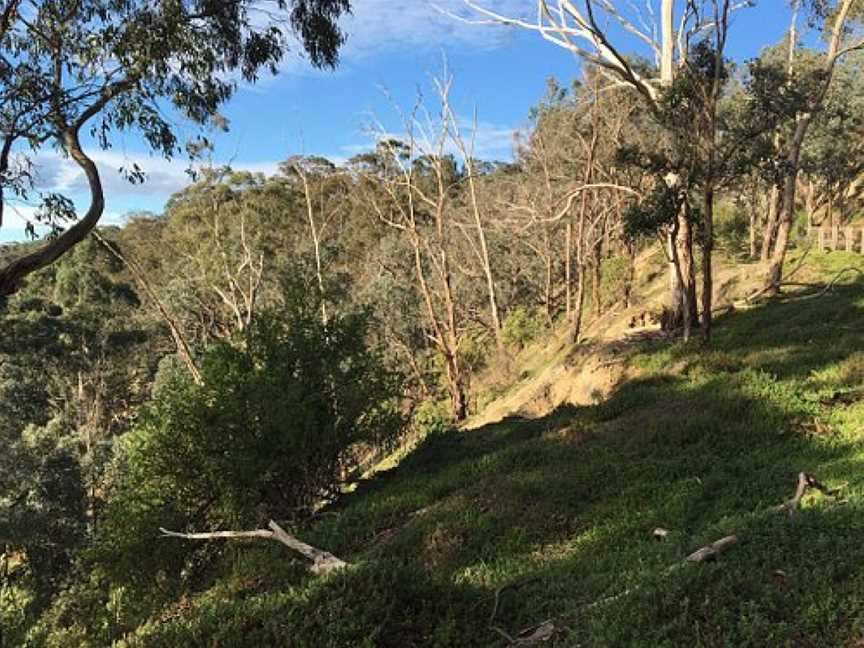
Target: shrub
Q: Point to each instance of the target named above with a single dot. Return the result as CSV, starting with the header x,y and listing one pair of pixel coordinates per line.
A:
x,y
732,229
615,271
271,430
431,417
521,327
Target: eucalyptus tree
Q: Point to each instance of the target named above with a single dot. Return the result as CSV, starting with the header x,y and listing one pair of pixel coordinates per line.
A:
x,y
70,68
832,160
842,22
587,32
410,186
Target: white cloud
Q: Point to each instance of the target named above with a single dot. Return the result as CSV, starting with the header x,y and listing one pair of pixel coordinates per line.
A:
x,y
53,173
379,27
490,141
163,177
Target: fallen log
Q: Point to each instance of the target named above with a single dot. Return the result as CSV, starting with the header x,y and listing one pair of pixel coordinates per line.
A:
x,y
322,561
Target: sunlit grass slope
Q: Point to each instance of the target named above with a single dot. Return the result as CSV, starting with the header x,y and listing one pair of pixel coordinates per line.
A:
x,y
703,444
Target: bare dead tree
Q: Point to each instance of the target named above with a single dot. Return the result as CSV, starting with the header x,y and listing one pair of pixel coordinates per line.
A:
x,y
413,196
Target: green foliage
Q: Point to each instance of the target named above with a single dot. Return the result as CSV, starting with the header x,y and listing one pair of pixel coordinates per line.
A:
x,y
731,229
431,418
656,211
563,508
521,326
474,351
614,272
380,605
270,432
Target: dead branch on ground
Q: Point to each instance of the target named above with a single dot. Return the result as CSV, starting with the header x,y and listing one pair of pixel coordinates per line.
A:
x,y
529,636
322,561
830,286
805,481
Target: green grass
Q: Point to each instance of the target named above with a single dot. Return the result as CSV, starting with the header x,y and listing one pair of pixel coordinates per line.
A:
x,y
702,443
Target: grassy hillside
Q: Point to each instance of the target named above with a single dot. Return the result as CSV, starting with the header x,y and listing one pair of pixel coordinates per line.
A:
x,y
702,443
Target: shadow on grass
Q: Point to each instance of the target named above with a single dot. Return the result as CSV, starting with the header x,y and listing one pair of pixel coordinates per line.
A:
x,y
564,505
567,502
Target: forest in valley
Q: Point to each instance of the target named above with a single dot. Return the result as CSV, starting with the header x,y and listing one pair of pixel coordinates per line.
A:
x,y
606,392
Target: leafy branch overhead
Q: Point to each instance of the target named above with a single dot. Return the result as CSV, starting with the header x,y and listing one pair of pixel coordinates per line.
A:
x,y
100,67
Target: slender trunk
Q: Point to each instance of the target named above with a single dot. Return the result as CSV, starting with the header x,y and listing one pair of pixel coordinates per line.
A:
x,y
456,374
568,279
445,341
769,234
596,304
576,325
484,258
682,309
707,270
183,348
775,268
579,305
688,269
675,299
456,387
316,242
631,274
754,223
548,290
811,204
772,224
787,213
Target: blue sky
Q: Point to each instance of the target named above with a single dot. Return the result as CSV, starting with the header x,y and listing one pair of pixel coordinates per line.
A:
x,y
392,44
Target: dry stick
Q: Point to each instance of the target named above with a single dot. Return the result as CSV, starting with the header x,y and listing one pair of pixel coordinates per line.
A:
x,y
805,481
712,550
322,561
528,636
830,286
708,552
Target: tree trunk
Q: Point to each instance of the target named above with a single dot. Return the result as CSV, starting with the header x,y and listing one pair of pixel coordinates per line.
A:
x,y
13,273
674,317
754,225
548,290
445,341
456,388
316,241
774,274
631,274
787,212
568,278
484,257
576,326
688,269
707,251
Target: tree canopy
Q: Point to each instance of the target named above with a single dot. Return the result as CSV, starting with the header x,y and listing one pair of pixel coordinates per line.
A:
x,y
98,67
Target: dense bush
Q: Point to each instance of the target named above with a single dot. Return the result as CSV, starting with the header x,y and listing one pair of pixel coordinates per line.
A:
x,y
270,432
732,229
431,417
521,327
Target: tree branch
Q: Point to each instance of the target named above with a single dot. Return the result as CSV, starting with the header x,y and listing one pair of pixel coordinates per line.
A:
x,y
322,561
